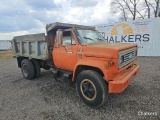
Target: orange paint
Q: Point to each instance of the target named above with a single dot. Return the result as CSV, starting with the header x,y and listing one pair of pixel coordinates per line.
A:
x,y
68,57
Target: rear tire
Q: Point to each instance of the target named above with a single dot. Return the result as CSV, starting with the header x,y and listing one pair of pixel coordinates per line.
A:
x,y
27,69
92,88
37,68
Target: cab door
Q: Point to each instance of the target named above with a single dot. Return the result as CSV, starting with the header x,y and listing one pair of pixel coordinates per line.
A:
x,y
65,50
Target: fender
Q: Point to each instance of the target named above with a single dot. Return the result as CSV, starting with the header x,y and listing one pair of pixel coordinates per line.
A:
x,y
102,65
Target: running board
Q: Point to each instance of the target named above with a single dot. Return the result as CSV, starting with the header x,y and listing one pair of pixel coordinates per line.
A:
x,y
63,76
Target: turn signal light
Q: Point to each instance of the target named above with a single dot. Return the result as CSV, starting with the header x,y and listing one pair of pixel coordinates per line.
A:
x,y
110,63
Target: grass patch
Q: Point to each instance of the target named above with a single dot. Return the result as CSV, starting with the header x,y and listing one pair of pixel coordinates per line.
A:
x,y
6,54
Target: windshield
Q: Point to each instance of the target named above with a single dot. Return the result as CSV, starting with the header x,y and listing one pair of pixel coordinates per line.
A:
x,y
89,36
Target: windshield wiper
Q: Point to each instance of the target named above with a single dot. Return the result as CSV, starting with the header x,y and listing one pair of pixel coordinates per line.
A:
x,y
88,38
98,38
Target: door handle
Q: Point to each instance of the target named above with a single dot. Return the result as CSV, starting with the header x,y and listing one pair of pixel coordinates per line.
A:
x,y
68,50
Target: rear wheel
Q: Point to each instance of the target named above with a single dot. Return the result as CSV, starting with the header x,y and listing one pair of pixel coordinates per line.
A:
x,y
92,88
36,67
27,69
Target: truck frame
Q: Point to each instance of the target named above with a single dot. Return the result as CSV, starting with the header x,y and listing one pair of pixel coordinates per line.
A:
x,y
79,57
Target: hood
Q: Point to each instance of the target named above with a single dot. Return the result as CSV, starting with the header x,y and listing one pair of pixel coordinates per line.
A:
x,y
117,46
105,49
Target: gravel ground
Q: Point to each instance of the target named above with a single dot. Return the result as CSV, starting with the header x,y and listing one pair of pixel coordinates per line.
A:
x,y
44,99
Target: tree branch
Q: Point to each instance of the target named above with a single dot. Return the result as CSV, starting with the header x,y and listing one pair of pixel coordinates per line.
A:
x,y
123,9
140,14
128,7
148,8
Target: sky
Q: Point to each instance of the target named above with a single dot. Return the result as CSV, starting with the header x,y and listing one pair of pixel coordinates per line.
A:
x,y
20,17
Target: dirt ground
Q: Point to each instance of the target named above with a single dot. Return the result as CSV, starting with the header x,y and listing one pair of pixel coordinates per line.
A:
x,y
44,99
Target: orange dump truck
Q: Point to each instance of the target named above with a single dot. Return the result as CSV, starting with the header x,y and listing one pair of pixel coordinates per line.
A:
x,y
79,57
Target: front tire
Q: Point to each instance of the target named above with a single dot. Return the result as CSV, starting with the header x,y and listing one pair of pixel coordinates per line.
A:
x,y
27,69
92,88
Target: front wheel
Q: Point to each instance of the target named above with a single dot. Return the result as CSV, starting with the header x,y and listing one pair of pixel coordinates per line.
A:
x,y
92,88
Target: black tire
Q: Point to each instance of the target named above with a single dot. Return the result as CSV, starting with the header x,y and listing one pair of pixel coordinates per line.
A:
x,y
96,86
27,69
37,68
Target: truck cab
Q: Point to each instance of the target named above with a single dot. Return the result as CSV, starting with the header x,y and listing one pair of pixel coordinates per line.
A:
x,y
80,57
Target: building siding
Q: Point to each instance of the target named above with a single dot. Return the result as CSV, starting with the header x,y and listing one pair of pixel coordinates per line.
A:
x,y
144,32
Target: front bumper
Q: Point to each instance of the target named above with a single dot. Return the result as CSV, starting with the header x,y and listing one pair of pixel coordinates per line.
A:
x,y
118,84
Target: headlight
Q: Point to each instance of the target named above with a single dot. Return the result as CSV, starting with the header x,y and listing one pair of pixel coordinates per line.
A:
x,y
121,59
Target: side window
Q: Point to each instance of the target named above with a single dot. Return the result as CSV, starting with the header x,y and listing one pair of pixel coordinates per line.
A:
x,y
59,37
68,38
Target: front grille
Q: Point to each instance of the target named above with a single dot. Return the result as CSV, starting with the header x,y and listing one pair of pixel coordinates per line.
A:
x,y
127,56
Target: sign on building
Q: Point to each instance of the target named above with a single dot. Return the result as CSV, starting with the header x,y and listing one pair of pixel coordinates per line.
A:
x,y
145,33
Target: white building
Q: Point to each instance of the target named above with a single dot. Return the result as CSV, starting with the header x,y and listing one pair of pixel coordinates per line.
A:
x,y
144,32
5,44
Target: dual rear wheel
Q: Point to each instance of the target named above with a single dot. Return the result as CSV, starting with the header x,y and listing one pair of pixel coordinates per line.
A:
x,y
30,68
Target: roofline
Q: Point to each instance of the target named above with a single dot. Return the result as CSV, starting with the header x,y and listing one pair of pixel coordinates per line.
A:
x,y
56,24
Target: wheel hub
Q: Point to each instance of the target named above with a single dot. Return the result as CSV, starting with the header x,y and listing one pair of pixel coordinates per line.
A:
x,y
88,89
24,69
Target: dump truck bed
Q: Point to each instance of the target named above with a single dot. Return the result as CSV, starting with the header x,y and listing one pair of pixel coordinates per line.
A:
x,y
32,46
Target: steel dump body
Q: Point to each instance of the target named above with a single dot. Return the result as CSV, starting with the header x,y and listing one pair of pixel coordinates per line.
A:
x,y
57,25
32,46
39,46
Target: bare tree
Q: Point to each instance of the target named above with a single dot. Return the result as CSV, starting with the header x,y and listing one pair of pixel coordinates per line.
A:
x,y
154,5
119,7
128,9
157,7
135,9
148,8
132,7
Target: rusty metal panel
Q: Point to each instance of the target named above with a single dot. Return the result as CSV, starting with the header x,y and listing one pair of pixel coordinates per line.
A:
x,y
32,46
57,25
32,37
